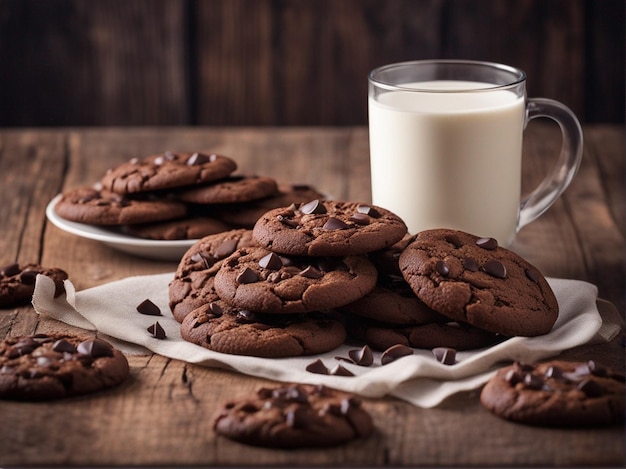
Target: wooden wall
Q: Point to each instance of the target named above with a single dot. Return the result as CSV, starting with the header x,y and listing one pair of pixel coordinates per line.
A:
x,y
285,62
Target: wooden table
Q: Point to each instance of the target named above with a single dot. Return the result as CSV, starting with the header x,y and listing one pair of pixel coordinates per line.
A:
x,y
163,415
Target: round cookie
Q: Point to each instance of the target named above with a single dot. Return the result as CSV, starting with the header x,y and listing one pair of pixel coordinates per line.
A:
x,y
328,228
424,336
185,228
95,207
192,285
294,416
246,214
473,280
166,171
394,304
53,366
230,190
262,281
219,327
17,283
556,393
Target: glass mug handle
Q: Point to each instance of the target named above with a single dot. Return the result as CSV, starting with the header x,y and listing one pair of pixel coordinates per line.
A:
x,y
553,185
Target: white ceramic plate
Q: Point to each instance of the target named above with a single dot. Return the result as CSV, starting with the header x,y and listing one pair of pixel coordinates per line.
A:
x,y
152,249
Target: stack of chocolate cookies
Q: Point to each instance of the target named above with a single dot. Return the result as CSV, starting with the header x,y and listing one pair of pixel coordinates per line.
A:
x,y
309,275
173,196
274,291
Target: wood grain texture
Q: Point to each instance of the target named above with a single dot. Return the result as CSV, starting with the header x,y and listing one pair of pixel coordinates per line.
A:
x,y
163,415
286,62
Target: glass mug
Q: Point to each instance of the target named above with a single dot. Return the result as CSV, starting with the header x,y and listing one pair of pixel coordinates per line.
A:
x,y
446,146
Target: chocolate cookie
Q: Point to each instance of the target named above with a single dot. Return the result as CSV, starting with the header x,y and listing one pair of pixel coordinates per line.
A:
x,y
95,207
219,327
166,171
473,280
17,283
424,336
185,228
52,366
262,281
230,190
246,214
394,303
192,285
556,393
295,416
328,228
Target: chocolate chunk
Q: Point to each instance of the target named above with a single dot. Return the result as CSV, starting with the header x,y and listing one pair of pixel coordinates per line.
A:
x,y
148,308
311,272
63,346
271,262
495,268
317,367
28,277
315,207
360,219
394,352
339,370
441,268
470,264
95,348
487,243
244,316
290,222
157,331
445,355
333,224
198,159
10,270
532,276
362,356
247,276
533,381
226,248
367,210
591,388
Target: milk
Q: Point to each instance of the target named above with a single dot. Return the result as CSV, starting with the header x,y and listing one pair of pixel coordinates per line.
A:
x,y
442,159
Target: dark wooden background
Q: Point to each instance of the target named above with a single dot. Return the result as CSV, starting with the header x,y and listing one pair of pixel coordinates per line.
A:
x,y
285,62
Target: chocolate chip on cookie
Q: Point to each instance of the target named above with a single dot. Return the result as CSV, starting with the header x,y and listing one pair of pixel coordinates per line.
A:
x,y
328,228
472,280
262,281
556,393
295,416
52,366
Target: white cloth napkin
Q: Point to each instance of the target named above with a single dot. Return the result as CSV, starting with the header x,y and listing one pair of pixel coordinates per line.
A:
x,y
110,309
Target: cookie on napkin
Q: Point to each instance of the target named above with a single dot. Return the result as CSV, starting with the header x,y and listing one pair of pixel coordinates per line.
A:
x,y
473,280
328,228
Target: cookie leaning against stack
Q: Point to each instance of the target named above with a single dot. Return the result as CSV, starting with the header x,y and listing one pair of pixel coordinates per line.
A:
x,y
474,281
282,291
393,314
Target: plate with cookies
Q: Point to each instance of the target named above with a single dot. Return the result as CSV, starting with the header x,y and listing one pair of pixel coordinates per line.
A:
x,y
159,206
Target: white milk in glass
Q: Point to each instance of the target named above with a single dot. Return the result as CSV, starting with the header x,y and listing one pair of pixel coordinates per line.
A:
x,y
448,160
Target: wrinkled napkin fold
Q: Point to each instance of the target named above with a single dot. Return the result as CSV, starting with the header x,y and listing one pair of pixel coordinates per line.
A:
x,y
110,309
